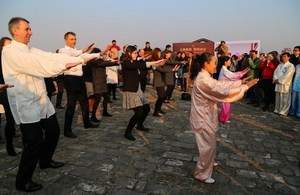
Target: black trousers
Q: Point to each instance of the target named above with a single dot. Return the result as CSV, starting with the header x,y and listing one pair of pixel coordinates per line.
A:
x,y
169,91
97,98
143,81
269,91
72,98
140,115
60,91
161,93
39,146
112,88
10,129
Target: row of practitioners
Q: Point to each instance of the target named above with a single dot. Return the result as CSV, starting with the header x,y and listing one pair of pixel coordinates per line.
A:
x,y
25,68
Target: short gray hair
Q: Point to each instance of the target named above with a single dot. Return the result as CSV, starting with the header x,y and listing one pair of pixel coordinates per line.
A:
x,y
14,22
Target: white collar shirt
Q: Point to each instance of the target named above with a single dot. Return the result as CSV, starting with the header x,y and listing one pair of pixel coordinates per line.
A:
x,y
25,68
76,71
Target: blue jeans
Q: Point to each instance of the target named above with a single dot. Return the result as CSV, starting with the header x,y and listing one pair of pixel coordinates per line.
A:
x,y
295,104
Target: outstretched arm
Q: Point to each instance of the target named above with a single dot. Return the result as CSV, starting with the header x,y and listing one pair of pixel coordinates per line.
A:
x,y
5,86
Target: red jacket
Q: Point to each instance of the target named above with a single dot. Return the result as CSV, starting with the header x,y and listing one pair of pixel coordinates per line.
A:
x,y
267,69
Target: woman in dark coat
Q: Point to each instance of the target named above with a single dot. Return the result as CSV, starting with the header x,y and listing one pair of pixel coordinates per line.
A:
x,y
98,70
133,97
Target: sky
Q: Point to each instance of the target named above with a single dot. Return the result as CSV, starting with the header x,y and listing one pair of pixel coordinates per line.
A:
x,y
274,22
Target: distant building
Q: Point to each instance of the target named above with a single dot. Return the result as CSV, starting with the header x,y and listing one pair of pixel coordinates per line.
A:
x,y
197,47
205,45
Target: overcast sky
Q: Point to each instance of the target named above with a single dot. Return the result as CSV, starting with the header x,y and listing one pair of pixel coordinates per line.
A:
x,y
274,22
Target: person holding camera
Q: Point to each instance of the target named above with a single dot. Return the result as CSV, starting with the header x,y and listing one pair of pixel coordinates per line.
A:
x,y
222,48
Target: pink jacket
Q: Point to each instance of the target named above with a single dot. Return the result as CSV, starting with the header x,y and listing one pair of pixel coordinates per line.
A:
x,y
205,95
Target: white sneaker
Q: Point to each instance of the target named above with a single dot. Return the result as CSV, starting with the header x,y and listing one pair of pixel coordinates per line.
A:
x,y
228,121
215,164
209,181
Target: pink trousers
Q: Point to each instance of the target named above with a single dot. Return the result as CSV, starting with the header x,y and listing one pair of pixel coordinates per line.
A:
x,y
206,142
224,114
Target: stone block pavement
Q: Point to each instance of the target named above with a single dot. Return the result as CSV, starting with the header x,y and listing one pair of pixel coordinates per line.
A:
x,y
257,152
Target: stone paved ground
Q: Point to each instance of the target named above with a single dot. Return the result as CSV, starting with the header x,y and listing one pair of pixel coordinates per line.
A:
x,y
257,153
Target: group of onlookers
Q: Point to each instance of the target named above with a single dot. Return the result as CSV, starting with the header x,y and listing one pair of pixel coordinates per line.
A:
x,y
278,79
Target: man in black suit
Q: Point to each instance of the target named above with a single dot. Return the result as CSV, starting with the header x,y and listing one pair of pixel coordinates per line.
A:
x,y
75,86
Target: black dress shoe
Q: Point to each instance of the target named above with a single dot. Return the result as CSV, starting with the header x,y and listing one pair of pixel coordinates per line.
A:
x,y
143,128
161,112
106,114
129,136
29,187
171,99
114,98
59,107
155,114
91,125
95,120
11,152
70,135
53,165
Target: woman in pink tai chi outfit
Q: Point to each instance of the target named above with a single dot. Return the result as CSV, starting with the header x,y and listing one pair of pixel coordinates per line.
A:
x,y
204,113
227,75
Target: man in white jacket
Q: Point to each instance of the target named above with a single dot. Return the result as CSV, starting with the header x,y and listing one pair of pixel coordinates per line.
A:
x,y
25,68
282,77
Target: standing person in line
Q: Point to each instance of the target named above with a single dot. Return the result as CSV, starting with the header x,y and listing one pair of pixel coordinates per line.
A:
x,y
253,62
10,129
143,72
98,70
50,87
185,72
112,78
268,67
204,113
25,67
171,57
75,86
159,83
295,103
133,97
295,57
112,72
282,78
227,75
60,89
169,79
